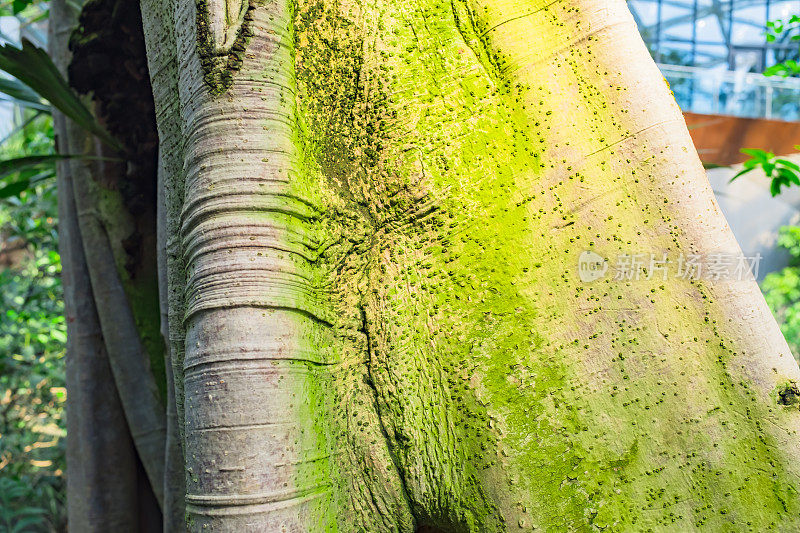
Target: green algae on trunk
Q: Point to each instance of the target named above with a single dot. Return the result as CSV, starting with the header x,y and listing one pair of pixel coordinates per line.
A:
x,y
385,206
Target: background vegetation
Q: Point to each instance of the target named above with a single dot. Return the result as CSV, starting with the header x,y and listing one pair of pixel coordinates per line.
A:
x,y
32,328
32,342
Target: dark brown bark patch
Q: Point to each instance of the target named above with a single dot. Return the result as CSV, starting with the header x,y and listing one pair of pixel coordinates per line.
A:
x,y
110,63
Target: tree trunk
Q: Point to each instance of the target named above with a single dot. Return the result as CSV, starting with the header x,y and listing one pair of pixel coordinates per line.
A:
x,y
373,216
116,440
102,478
101,483
159,29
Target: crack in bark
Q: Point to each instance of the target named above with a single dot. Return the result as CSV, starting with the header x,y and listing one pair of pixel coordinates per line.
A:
x,y
376,403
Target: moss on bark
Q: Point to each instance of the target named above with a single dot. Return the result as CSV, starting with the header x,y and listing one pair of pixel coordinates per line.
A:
x,y
219,65
432,172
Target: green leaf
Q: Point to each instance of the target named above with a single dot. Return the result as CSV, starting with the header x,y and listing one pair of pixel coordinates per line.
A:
x,y
776,70
26,523
19,91
788,164
775,188
757,153
782,172
9,166
39,107
30,511
44,14
789,176
14,189
740,173
32,66
19,5
18,164
785,69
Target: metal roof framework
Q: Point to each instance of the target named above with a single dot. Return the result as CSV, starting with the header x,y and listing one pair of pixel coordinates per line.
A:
x,y
709,33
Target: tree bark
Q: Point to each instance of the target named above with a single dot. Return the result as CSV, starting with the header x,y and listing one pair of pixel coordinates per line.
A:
x,y
129,361
158,21
377,216
101,479
115,418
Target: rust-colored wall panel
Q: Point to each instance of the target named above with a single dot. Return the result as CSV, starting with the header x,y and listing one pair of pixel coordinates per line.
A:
x,y
719,138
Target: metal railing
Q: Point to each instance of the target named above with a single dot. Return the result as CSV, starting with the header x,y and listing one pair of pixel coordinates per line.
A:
x,y
741,94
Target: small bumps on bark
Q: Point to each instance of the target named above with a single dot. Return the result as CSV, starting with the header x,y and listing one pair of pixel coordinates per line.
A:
x,y
221,51
789,394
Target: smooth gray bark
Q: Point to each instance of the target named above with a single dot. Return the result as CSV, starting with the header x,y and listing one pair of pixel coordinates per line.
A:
x,y
104,353
101,475
102,490
158,22
129,361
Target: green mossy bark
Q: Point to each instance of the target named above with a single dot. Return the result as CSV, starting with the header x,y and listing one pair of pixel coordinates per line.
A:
x,y
463,377
468,198
139,280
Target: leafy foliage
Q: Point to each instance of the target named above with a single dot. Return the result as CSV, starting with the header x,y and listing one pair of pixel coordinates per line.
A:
x,y
20,93
16,7
31,169
782,289
32,327
15,515
32,341
781,172
32,66
784,31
